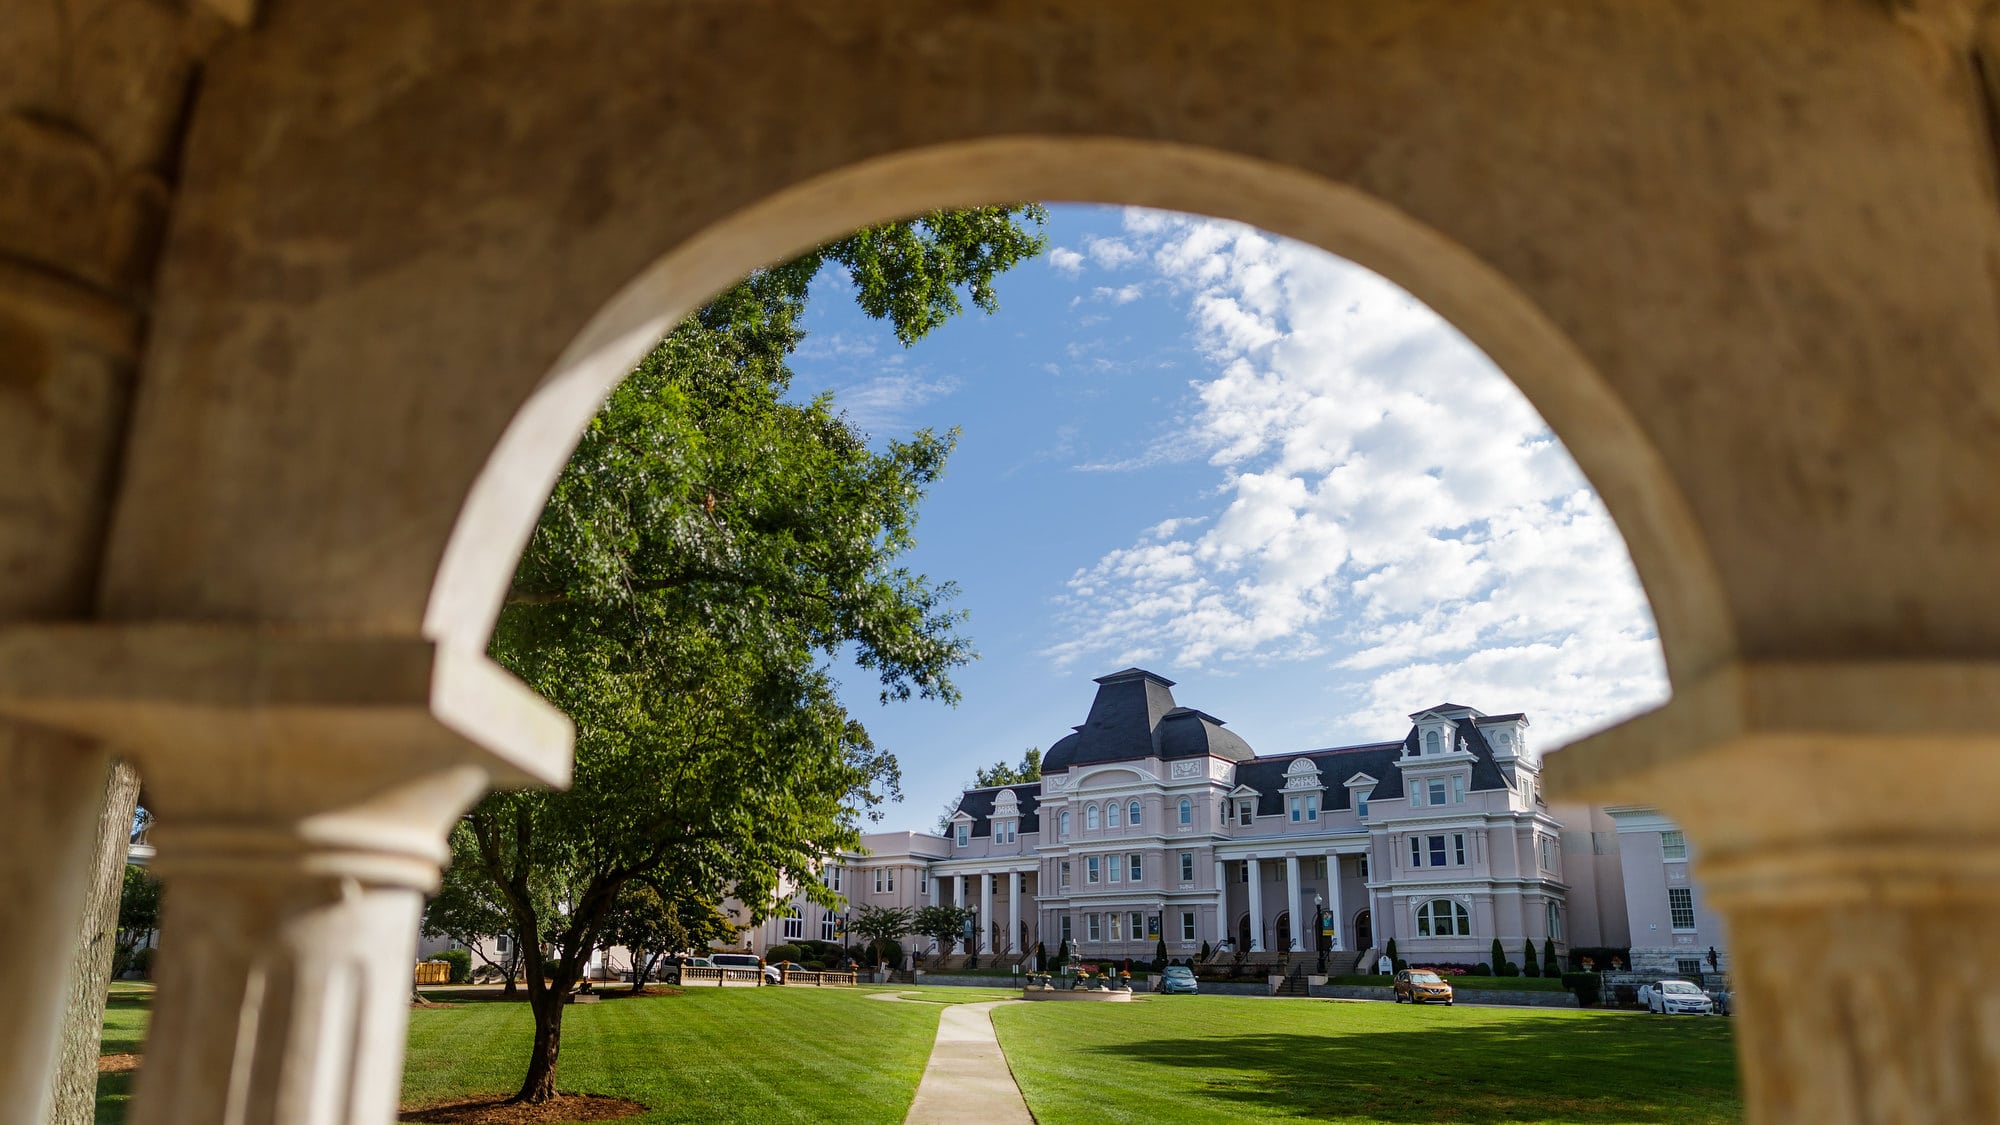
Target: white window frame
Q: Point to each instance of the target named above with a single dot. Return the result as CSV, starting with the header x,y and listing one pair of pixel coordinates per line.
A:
x,y
1679,899
1431,744
1063,927
1416,850
1092,871
1415,789
1135,868
923,880
1134,814
1673,844
1435,792
1187,867
829,927
1456,921
1114,870
1553,921
1458,789
1117,926
795,924
1312,806
878,880
962,834
1114,816
1090,818
1138,925
1435,847
1093,927
1187,925
1458,848
833,883
1062,873
1246,811
1361,806
1296,807
1186,811
1062,824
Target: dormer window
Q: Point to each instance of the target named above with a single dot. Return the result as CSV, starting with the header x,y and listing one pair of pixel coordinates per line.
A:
x,y
1304,808
1431,744
963,835
1245,810
1361,805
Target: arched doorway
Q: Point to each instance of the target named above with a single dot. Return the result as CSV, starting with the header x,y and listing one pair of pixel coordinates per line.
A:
x,y
1364,931
1285,930
1243,934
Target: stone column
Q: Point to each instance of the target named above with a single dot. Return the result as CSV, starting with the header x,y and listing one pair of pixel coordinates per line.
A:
x,y
1333,896
1221,902
986,912
1013,912
304,788
1292,899
55,784
958,892
1842,819
1256,906
933,881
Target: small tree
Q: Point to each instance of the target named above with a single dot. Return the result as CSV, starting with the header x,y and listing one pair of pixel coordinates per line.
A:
x,y
1499,957
650,925
1206,952
1389,951
1549,963
944,923
882,925
138,916
1530,967
1160,956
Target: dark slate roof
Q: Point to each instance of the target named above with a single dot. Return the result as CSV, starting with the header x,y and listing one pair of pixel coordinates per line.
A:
x,y
978,803
1503,718
1188,733
1124,722
1445,707
1376,759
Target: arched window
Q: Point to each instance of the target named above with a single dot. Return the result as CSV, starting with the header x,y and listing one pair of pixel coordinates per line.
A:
x,y
1090,816
1132,814
795,924
1431,742
1441,917
1555,921
1111,815
1062,823
1187,811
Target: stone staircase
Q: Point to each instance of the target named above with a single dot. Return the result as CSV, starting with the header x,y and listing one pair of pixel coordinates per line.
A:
x,y
1294,983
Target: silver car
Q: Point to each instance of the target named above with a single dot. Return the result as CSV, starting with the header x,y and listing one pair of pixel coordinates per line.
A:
x,y
1676,998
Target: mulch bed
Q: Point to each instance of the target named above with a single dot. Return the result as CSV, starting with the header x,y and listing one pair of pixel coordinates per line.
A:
x,y
563,1108
116,1064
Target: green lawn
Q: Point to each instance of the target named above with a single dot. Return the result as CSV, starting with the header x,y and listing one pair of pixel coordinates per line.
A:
x,y
708,1055
1219,1059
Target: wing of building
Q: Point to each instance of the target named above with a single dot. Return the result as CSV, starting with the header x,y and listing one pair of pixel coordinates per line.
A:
x,y
1154,822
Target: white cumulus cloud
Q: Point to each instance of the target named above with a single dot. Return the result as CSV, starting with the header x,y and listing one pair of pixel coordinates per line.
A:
x,y
1386,502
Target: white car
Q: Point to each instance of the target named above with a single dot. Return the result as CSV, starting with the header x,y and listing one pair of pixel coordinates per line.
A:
x,y
1675,997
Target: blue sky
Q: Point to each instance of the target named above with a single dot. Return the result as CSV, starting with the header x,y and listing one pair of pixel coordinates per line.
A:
x,y
1256,469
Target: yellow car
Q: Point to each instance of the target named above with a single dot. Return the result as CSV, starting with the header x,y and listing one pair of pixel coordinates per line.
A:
x,y
1419,985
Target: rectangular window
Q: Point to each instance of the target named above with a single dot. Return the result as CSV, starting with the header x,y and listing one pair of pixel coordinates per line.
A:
x,y
1319,867
1243,871
1673,845
1680,904
828,927
1416,851
1436,794
1312,806
1137,868
1244,813
1063,927
1688,966
923,882
1187,867
1117,871
502,944
1062,874
1548,853
892,880
1093,927
1458,847
963,835
1298,809
1437,851
1091,869
1458,790
1187,925
1022,882
1361,807
1117,928
1364,867
1416,794
1187,811
795,926
878,880
1138,929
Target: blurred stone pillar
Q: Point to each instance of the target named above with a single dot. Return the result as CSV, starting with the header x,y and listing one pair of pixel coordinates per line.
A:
x,y
305,788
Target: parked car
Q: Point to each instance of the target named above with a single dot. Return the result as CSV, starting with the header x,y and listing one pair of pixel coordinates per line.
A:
x,y
741,961
776,970
1675,997
670,973
1419,985
1179,979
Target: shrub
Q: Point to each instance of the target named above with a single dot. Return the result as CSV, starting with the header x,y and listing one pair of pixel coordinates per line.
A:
x,y
1482,970
1400,964
1587,986
891,951
1206,952
785,952
1626,995
142,960
814,966
1510,969
461,964
1549,965
1529,966
1499,957
1389,951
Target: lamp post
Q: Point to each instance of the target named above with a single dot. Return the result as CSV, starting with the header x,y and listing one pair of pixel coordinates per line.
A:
x,y
1319,930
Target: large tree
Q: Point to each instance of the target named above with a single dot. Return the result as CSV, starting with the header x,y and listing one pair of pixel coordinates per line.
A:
x,y
708,548
1000,773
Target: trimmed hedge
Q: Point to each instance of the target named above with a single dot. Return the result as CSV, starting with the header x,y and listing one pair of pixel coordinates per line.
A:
x,y
461,964
1589,987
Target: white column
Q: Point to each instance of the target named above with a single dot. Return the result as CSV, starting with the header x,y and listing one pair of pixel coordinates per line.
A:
x,y
55,785
1221,902
1256,906
933,880
1013,912
1292,899
986,912
1333,897
958,892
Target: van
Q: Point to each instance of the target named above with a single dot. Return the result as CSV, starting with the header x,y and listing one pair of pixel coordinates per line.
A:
x,y
738,961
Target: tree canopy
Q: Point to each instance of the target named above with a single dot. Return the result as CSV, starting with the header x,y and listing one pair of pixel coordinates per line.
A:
x,y
999,773
708,548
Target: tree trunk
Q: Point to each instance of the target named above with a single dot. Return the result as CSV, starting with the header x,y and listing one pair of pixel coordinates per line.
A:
x,y
90,965
547,1002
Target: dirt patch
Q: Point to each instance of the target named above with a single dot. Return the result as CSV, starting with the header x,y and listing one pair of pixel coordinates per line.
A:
x,y
117,1064
563,1108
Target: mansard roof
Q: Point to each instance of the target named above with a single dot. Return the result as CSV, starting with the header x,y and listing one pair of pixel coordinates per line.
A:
x,y
1134,716
1376,759
978,804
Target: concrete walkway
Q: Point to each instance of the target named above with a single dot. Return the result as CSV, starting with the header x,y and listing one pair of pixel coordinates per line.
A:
x,y
967,1079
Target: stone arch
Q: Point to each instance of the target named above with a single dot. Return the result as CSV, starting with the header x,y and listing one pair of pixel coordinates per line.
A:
x,y
1612,450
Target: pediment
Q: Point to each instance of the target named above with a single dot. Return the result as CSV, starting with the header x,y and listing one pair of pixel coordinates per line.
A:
x,y
1362,779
